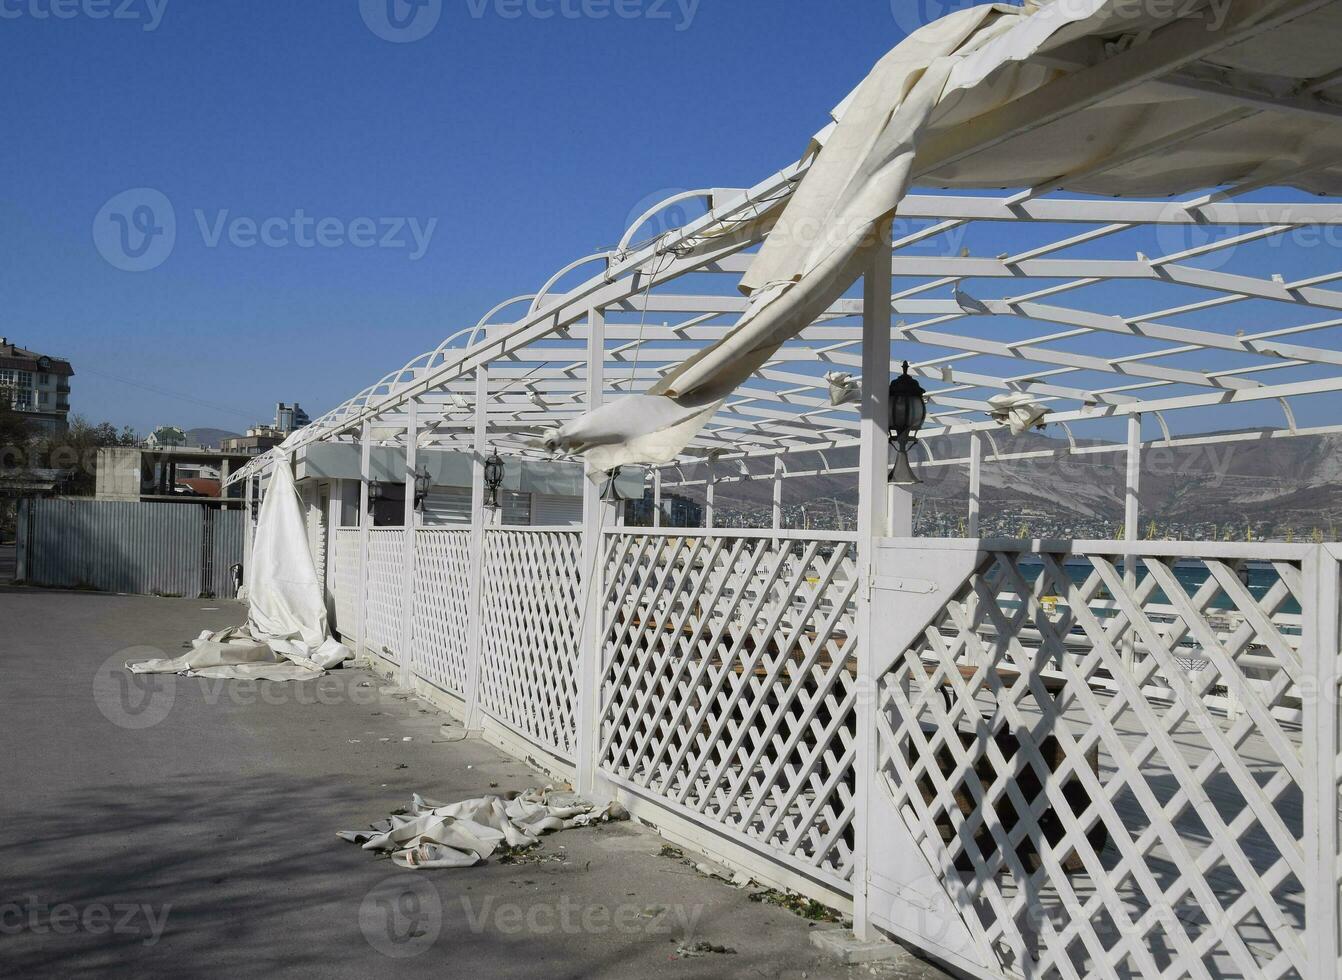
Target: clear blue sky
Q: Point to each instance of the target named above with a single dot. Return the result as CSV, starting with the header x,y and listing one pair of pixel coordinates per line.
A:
x,y
527,141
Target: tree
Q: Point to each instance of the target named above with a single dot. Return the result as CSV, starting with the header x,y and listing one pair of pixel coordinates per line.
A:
x,y
16,431
16,437
77,449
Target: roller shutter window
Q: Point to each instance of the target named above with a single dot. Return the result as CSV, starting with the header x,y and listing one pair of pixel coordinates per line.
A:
x,y
551,510
447,507
516,509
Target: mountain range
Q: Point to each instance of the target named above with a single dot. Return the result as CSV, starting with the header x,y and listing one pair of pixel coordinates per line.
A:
x,y
1274,486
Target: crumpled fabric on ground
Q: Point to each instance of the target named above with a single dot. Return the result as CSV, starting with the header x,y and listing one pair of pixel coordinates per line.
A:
x,y
236,654
286,636
459,835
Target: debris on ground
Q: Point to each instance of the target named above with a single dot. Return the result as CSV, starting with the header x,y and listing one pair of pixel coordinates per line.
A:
x,y
703,949
807,908
528,854
458,835
668,851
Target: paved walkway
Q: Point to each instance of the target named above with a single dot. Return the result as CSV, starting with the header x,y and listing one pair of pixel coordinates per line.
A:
x,y
188,828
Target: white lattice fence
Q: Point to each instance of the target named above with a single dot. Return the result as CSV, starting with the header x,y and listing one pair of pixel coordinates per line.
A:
x,y
347,580
531,612
384,592
729,685
442,607
1107,775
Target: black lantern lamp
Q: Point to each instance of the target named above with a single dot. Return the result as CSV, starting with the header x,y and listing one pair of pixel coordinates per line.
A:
x,y
374,493
907,412
421,487
493,478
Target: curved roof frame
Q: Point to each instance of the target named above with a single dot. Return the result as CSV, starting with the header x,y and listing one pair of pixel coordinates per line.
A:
x,y
1037,321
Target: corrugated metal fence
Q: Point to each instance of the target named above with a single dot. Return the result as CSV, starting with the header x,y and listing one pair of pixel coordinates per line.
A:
x,y
118,546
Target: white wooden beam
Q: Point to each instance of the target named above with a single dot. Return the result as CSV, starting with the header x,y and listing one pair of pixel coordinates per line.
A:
x,y
871,524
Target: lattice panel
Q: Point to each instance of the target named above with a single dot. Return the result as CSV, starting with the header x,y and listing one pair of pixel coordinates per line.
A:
x,y
729,686
530,619
347,580
1107,773
442,607
384,591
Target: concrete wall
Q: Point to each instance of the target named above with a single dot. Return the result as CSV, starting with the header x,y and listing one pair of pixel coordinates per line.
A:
x,y
118,474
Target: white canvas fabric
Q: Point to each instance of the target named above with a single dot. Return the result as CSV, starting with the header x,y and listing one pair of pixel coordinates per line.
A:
x,y
1017,411
926,96
457,835
286,635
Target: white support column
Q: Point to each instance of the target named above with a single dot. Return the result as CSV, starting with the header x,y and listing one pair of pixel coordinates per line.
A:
x,y
247,530
708,497
474,635
898,511
657,497
871,524
408,542
975,482
365,521
778,494
597,515
334,510
1132,516
1322,742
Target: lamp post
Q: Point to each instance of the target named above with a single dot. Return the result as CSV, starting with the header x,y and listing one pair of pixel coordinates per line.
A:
x,y
493,479
907,413
421,488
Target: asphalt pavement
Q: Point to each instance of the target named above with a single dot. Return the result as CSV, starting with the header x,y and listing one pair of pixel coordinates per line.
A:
x,y
170,826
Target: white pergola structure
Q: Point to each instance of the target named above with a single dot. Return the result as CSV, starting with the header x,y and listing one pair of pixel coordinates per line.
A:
x,y
1026,758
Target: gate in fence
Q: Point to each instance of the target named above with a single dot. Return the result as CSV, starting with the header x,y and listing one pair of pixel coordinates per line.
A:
x,y
129,546
1064,759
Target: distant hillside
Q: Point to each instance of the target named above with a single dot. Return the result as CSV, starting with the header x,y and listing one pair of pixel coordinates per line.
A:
x,y
1277,485
210,438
